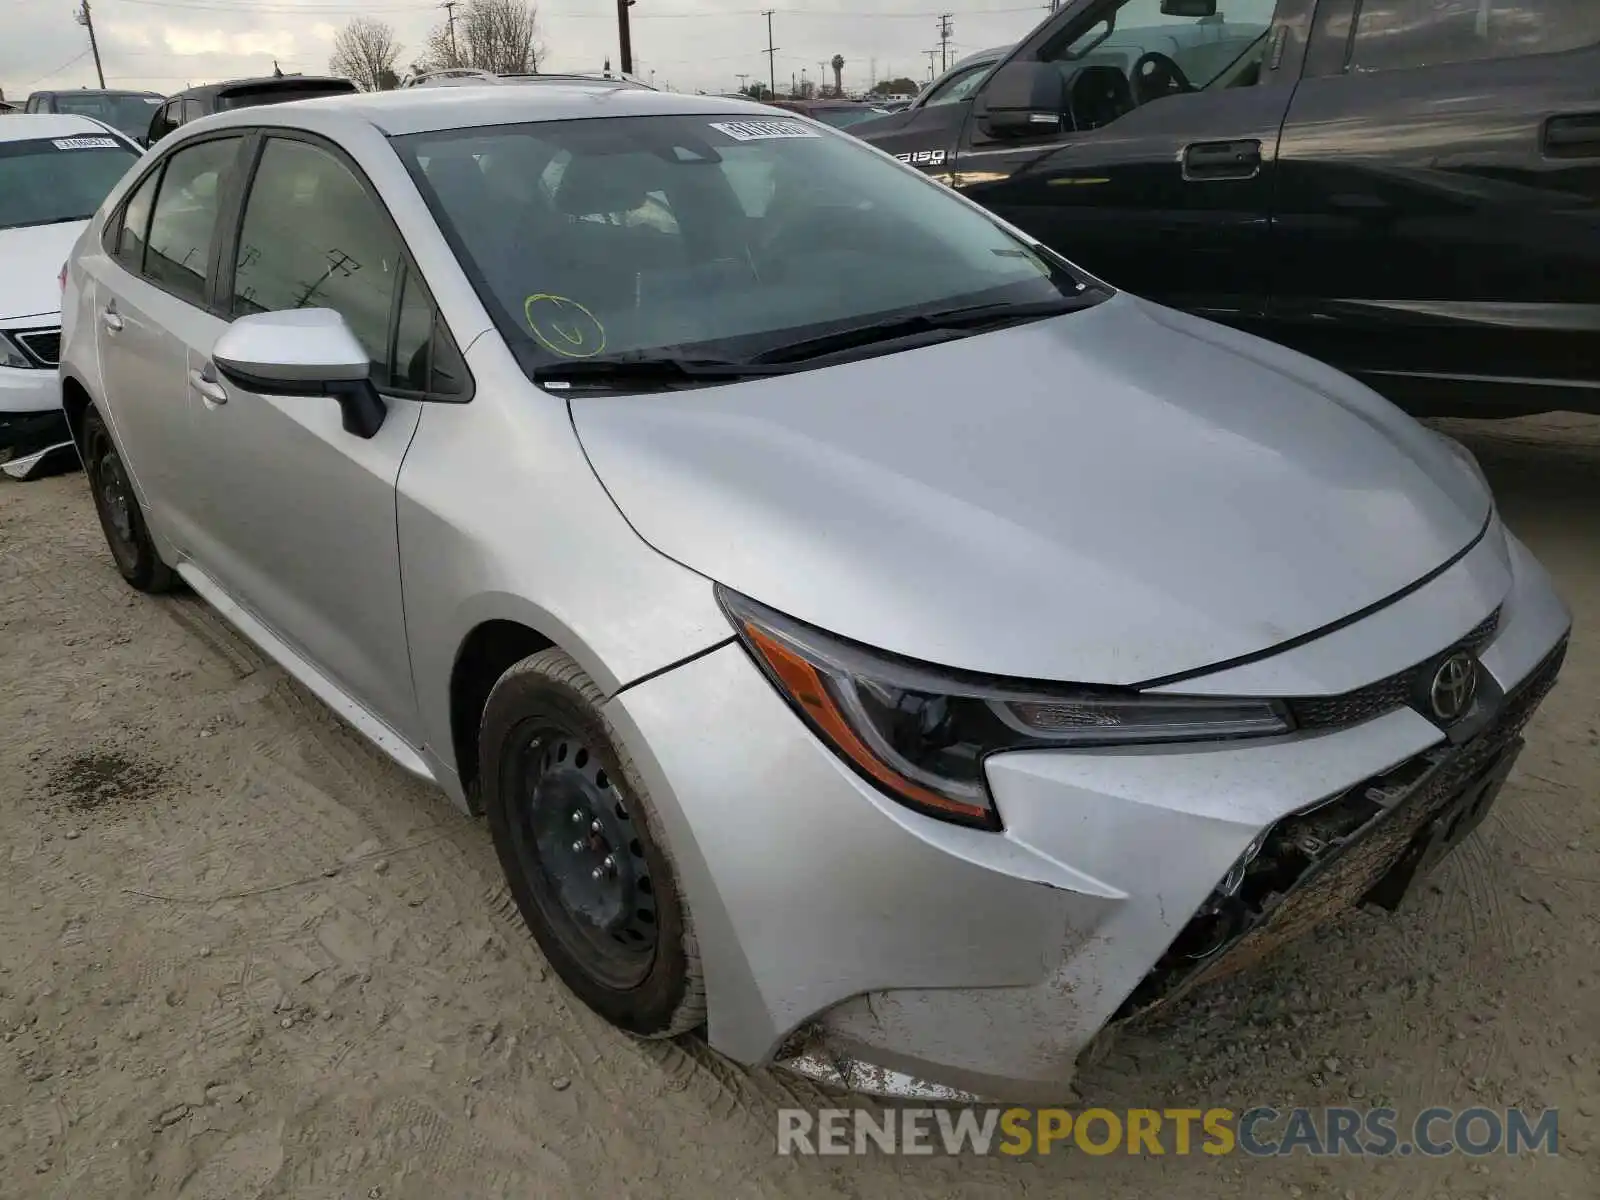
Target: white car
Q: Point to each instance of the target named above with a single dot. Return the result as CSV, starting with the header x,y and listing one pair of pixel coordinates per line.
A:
x,y
54,172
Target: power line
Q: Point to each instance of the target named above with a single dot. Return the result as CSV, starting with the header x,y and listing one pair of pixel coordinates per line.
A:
x,y
449,7
772,51
797,13
57,70
625,35
86,19
282,6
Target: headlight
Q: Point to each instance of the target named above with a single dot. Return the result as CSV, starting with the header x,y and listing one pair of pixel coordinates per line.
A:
x,y
11,355
921,733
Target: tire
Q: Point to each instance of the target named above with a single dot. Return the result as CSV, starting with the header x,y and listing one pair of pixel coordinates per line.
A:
x,y
561,795
121,519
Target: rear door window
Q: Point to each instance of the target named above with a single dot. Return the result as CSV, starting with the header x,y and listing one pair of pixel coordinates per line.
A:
x,y
128,248
1395,34
183,223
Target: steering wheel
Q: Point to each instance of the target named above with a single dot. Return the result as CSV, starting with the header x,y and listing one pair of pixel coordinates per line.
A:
x,y
1156,75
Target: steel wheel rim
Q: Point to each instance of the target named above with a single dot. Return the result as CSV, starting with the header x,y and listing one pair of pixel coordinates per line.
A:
x,y
115,496
575,839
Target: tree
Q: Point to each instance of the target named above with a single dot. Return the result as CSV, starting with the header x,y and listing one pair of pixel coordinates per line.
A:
x,y
499,36
365,51
895,87
838,75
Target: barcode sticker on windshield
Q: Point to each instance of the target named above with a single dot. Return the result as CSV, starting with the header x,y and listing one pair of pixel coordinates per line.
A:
x,y
755,131
85,143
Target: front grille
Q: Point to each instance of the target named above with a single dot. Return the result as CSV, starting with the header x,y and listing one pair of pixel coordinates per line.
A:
x,y
1320,861
1388,694
41,345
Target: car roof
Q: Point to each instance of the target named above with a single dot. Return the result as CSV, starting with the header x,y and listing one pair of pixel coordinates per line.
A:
x,y
420,110
989,55
92,92
21,127
263,81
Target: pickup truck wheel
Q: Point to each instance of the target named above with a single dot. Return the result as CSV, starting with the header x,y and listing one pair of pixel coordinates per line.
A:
x,y
121,518
578,839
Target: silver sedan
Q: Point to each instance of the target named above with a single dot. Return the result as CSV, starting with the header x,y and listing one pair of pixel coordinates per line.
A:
x,y
867,636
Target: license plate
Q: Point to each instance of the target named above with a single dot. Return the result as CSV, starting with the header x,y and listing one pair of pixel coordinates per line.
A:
x,y
1446,830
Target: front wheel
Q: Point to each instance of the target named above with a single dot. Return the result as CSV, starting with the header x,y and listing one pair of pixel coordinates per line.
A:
x,y
578,838
120,516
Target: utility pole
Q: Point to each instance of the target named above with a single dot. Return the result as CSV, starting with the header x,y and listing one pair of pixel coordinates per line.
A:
x,y
944,41
627,38
772,51
741,77
85,19
449,7
932,54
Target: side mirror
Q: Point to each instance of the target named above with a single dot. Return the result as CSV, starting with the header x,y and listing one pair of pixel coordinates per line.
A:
x,y
1022,98
1188,8
303,352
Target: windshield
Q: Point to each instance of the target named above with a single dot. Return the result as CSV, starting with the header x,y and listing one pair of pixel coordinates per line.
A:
x,y
47,180
127,112
718,235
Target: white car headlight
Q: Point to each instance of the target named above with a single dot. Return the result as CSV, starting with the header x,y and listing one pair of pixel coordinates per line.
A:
x,y
11,354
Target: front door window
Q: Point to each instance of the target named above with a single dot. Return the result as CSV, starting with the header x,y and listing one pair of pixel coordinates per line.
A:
x,y
1141,51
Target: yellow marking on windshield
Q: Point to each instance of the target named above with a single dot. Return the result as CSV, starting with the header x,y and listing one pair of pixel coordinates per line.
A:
x,y
563,326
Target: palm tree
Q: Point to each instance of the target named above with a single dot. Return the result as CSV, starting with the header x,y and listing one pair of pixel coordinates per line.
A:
x,y
838,75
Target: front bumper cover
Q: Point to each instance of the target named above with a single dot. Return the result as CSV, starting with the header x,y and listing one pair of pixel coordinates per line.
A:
x,y
908,955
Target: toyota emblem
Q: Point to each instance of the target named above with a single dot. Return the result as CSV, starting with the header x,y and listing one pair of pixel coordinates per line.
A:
x,y
1454,687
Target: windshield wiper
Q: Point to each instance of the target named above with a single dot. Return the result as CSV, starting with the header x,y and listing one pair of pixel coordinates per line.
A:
x,y
925,328
663,370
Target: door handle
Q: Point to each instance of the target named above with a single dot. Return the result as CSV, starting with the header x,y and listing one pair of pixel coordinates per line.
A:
x,y
1222,160
111,318
1574,136
206,384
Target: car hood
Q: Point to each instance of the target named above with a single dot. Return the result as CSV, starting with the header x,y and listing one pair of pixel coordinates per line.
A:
x,y
1112,496
30,267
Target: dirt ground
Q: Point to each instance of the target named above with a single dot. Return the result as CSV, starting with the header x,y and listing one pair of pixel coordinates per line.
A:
x,y
242,955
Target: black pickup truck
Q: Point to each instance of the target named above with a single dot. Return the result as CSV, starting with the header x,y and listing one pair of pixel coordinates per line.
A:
x,y
1407,189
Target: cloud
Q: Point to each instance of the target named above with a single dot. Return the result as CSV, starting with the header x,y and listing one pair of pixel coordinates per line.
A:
x,y
690,44
217,43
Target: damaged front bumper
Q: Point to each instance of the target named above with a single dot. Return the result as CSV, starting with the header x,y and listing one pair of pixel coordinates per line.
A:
x,y
1368,844
844,935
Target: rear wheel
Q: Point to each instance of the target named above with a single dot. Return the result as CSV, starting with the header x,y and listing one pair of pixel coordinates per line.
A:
x,y
578,838
120,516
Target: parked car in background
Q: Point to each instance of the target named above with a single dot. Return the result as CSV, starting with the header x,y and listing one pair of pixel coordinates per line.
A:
x,y
867,634
1405,189
54,172
841,114
199,102
127,111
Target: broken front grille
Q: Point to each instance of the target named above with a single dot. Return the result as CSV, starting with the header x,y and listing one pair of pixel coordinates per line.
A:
x,y
1388,694
1314,864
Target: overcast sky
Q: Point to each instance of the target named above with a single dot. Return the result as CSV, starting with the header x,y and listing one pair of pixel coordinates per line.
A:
x,y
166,45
